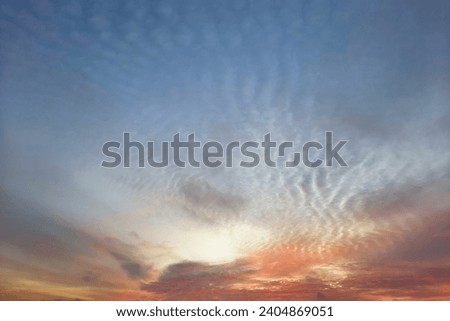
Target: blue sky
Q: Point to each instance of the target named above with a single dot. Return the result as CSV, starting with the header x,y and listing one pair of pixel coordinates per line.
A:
x,y
75,74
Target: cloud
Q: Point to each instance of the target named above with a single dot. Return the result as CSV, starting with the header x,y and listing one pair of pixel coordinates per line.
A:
x,y
429,242
402,280
90,277
76,75
38,234
208,204
193,279
134,269
46,257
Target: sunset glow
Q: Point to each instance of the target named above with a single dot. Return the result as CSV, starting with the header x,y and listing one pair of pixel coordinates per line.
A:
x,y
77,74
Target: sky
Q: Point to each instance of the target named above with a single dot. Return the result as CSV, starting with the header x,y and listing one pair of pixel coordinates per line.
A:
x,y
76,74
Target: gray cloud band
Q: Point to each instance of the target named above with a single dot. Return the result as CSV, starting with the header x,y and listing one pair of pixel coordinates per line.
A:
x,y
215,154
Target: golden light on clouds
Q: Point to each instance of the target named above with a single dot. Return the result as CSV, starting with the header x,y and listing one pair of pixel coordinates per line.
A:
x,y
74,78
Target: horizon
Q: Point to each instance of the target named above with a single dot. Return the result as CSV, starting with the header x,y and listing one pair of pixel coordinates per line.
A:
x,y
77,74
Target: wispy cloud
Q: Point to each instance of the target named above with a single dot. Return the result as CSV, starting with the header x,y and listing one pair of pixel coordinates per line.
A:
x,y
77,74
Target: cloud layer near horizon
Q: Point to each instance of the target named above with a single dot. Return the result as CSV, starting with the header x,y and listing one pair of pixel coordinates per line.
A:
x,y
76,74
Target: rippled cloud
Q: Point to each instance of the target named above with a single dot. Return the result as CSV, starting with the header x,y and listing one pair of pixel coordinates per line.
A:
x,y
76,74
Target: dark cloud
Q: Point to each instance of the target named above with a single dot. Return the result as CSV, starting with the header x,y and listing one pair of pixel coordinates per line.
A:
x,y
321,296
207,203
185,279
412,221
202,194
413,197
53,246
30,230
135,270
135,235
75,75
399,279
430,242
237,281
208,272
90,277
240,280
